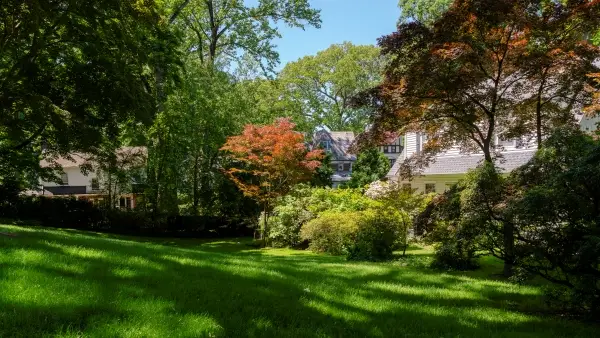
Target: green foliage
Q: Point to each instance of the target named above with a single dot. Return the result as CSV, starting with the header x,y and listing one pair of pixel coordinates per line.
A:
x,y
215,102
370,166
324,84
553,205
324,199
392,194
288,216
322,177
75,283
218,31
72,73
379,232
463,225
304,203
333,232
423,11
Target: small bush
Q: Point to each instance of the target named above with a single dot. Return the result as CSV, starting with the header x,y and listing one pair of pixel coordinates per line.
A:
x,y
288,216
332,232
573,302
450,256
379,232
303,204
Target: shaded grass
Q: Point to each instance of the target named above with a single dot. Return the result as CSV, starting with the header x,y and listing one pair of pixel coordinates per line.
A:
x,y
72,283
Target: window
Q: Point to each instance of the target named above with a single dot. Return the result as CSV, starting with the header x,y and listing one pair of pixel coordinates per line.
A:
x,y
64,179
125,202
347,166
334,166
392,161
95,184
326,145
429,188
340,167
394,148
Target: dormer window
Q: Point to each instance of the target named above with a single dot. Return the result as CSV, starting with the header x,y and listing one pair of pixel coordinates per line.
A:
x,y
326,145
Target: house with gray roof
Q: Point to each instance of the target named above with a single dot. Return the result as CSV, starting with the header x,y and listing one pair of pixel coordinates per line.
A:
x,y
337,144
448,168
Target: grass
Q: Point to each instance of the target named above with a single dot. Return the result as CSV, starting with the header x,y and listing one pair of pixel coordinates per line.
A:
x,y
71,283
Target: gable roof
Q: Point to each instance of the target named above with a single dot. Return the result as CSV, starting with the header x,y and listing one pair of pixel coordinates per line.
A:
x,y
461,164
133,155
340,142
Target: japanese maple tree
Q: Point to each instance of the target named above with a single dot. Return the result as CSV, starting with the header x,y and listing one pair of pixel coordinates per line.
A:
x,y
485,68
269,160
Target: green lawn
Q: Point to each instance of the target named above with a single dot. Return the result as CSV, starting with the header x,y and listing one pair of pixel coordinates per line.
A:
x,y
70,283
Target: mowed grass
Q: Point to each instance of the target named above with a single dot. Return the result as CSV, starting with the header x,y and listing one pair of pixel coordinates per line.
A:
x,y
71,283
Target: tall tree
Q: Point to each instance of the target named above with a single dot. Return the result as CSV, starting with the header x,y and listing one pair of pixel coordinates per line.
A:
x,y
555,64
71,72
217,31
270,160
423,11
370,166
184,143
324,84
463,79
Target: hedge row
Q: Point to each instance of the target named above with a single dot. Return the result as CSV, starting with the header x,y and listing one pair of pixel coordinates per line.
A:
x,y
79,214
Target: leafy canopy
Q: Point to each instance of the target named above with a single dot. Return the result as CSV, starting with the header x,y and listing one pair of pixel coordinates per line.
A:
x,y
466,78
72,72
370,166
423,11
270,159
323,84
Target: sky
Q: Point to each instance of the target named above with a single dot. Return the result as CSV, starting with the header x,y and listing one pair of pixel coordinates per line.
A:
x,y
358,21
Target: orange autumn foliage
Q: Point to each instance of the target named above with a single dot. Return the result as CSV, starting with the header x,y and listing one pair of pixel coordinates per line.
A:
x,y
270,159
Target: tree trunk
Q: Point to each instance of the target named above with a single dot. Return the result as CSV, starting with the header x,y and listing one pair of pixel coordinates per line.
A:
x,y
538,124
487,153
196,194
265,221
509,249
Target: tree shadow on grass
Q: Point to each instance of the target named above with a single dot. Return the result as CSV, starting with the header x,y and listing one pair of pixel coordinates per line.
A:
x,y
227,290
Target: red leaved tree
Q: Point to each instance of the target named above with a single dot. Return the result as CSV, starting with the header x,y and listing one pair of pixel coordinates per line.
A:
x,y
269,160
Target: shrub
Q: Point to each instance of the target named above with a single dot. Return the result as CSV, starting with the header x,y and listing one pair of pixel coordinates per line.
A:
x,y
379,232
303,204
284,227
80,214
456,235
332,232
322,200
554,205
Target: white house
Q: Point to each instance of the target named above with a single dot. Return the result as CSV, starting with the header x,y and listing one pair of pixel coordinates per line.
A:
x,y
449,167
91,184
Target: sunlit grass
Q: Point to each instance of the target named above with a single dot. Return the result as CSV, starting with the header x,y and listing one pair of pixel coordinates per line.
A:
x,y
70,283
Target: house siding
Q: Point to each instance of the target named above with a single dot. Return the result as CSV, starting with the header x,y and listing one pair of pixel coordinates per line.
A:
x,y
76,179
440,181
